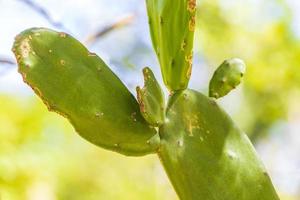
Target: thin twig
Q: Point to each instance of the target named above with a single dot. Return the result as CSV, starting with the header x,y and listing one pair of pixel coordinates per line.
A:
x,y
43,12
6,61
118,24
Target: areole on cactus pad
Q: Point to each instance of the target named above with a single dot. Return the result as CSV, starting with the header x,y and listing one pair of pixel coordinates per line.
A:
x,y
206,156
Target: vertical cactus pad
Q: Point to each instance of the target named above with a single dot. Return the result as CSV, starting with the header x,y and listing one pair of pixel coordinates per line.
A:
x,y
151,99
227,77
78,85
206,156
172,26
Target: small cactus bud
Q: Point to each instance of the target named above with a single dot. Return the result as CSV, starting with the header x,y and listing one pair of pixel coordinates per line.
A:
x,y
227,77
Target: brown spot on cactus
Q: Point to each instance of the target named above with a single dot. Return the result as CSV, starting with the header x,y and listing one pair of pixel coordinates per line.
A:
x,y
62,35
189,60
183,45
189,71
91,54
25,48
192,23
191,6
140,99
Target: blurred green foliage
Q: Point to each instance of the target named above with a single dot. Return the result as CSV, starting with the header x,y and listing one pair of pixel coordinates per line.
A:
x,y
42,158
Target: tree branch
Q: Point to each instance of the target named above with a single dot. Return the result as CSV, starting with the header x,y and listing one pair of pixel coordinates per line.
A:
x,y
6,61
43,12
118,24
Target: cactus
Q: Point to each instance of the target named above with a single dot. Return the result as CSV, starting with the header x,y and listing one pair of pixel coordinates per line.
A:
x,y
227,77
172,26
205,155
151,99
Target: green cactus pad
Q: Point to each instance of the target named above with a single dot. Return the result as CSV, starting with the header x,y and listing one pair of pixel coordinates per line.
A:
x,y
172,25
206,156
151,99
78,85
227,77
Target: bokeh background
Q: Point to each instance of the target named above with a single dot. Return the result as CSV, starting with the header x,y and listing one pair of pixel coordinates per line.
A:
x,y
41,156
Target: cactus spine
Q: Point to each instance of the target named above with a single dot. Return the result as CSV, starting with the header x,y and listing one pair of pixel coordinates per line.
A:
x,y
203,152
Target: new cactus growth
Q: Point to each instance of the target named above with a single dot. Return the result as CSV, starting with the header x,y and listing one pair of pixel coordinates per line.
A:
x,y
151,99
205,155
227,77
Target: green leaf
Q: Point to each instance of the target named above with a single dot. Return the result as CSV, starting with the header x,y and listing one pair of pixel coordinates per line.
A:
x,y
78,85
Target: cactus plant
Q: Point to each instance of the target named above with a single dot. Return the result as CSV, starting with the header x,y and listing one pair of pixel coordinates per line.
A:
x,y
226,77
205,155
